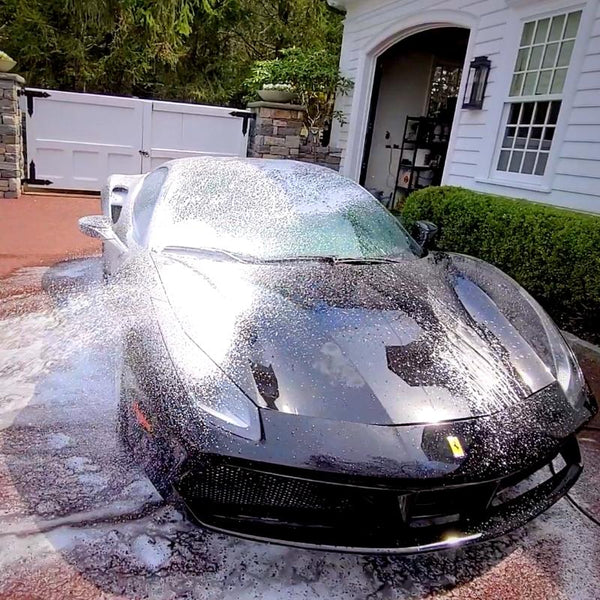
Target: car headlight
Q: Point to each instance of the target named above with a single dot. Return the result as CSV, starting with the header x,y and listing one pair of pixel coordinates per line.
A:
x,y
208,387
565,367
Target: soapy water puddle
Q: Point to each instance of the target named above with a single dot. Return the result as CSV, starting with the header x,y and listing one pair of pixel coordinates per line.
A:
x,y
78,518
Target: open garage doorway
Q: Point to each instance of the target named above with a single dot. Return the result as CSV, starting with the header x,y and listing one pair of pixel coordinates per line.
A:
x,y
415,94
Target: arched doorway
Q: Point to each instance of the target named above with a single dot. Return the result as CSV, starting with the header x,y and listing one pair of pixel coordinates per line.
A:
x,y
415,92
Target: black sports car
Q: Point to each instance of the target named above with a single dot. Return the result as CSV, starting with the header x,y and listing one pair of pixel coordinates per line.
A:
x,y
301,371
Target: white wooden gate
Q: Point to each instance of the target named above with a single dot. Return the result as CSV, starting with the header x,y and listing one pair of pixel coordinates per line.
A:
x,y
74,140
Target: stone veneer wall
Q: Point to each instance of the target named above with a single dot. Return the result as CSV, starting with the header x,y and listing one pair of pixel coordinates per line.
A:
x,y
276,134
11,148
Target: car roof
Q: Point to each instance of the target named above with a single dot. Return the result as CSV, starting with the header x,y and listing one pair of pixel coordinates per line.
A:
x,y
263,164
259,183
249,192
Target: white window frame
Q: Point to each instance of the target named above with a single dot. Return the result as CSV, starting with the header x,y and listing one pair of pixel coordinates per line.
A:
x,y
523,12
531,178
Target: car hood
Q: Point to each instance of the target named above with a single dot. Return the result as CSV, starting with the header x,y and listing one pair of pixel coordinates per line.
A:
x,y
439,338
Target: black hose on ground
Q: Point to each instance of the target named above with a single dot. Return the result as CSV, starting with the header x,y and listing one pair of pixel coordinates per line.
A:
x,y
570,499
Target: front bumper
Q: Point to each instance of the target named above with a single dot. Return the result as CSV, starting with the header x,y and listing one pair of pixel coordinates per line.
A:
x,y
291,507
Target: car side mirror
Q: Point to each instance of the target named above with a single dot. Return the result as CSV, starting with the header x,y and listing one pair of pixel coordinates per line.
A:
x,y
96,226
425,234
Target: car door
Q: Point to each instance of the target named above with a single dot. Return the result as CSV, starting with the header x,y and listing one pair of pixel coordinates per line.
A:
x,y
132,237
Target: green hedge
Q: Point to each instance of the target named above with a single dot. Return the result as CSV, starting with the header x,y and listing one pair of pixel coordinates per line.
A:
x,y
553,253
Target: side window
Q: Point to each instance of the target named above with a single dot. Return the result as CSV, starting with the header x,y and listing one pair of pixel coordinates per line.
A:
x,y
145,203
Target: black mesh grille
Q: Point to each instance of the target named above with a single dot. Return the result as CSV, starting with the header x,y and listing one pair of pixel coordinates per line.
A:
x,y
229,485
223,488
219,487
240,497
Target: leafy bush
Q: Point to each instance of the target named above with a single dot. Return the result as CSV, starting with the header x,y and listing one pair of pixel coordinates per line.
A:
x,y
553,253
314,76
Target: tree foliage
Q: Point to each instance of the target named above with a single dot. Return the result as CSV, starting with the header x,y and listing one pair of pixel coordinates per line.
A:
x,y
314,76
194,50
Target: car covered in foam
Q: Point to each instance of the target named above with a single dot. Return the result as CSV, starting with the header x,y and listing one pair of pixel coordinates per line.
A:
x,y
303,371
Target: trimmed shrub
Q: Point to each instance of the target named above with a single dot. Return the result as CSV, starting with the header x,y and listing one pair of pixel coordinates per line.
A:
x,y
553,253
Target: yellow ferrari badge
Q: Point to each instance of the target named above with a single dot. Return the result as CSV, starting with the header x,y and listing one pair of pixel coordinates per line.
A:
x,y
455,446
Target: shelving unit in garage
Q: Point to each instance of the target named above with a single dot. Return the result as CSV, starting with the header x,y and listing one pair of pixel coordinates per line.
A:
x,y
422,155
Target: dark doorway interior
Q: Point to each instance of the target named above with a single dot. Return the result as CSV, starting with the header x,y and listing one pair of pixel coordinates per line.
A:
x,y
418,77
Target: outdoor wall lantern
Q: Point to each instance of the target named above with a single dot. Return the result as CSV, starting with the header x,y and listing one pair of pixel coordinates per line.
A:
x,y
477,83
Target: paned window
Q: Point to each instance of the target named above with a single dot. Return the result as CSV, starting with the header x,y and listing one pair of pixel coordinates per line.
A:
x,y
533,106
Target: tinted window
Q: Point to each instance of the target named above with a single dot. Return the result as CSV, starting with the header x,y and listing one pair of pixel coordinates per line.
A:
x,y
145,202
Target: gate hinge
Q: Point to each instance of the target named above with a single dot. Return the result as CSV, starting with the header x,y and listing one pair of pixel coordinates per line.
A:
x,y
246,116
32,179
31,94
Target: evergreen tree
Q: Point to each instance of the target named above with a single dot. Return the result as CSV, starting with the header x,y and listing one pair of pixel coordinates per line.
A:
x,y
193,50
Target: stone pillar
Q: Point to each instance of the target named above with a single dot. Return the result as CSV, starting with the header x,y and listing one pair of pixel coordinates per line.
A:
x,y
276,131
276,134
326,156
11,143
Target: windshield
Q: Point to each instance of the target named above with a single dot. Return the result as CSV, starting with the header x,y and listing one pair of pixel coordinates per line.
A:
x,y
275,212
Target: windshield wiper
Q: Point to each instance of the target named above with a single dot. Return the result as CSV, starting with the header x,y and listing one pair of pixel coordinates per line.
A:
x,y
366,260
245,258
333,260
210,253
303,258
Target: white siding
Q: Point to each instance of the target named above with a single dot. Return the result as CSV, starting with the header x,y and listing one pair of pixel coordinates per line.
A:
x,y
366,19
573,179
577,170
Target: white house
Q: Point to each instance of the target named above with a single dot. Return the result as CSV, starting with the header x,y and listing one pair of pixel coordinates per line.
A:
x,y
537,134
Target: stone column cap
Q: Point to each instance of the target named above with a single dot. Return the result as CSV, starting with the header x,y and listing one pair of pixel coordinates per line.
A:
x,y
12,77
278,105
